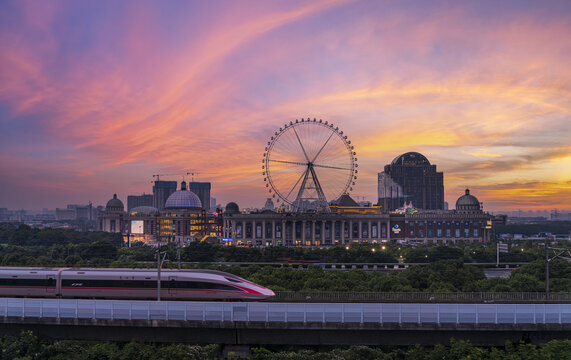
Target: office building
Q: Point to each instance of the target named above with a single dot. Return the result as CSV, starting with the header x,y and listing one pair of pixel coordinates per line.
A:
x,y
202,189
411,179
161,192
134,201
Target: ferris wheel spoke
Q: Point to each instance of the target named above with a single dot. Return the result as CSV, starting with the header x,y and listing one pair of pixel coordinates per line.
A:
x,y
331,167
287,162
320,150
300,144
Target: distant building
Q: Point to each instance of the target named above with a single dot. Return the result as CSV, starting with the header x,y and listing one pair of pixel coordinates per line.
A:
x,y
82,212
560,216
269,205
410,178
4,214
212,204
65,214
202,189
113,218
499,219
134,201
161,192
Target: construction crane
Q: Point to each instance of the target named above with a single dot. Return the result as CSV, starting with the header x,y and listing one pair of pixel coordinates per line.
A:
x,y
193,173
157,177
182,173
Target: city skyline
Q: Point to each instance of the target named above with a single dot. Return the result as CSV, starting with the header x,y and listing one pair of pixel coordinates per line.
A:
x,y
96,97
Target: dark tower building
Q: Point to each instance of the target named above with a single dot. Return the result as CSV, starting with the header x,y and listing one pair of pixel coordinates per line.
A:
x,y
202,189
411,178
134,201
161,192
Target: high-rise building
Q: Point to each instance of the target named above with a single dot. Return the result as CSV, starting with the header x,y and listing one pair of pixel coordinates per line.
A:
x,y
410,178
161,192
134,201
202,189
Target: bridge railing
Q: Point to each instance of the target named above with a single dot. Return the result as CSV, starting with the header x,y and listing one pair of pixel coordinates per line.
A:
x,y
424,297
286,312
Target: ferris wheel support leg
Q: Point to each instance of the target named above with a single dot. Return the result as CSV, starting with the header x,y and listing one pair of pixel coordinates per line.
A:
x,y
298,200
319,190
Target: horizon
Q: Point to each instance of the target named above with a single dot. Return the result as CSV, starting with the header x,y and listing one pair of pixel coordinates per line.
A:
x,y
96,97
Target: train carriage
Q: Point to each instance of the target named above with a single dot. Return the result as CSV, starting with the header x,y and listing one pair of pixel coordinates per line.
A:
x,y
128,284
31,282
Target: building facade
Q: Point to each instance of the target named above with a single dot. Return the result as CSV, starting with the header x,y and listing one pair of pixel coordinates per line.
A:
x,y
410,178
182,220
350,224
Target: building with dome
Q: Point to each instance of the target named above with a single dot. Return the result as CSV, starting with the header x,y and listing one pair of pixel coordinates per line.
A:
x,y
350,224
410,178
468,203
181,220
113,218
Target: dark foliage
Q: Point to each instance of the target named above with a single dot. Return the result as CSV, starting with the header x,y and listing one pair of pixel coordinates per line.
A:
x,y
28,346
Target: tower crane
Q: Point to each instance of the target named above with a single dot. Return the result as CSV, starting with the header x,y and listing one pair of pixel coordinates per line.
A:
x,y
193,173
157,177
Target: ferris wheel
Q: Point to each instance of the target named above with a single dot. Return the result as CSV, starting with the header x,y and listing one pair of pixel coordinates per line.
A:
x,y
308,163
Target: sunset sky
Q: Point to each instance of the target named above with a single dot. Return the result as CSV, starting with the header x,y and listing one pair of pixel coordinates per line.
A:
x,y
97,96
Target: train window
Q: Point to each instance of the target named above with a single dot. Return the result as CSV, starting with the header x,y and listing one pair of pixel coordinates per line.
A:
x,y
25,282
233,280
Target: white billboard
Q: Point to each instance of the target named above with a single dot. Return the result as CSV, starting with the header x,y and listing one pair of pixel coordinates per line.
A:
x,y
137,227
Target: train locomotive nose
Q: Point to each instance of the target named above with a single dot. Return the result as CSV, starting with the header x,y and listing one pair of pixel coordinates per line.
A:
x,y
267,292
263,292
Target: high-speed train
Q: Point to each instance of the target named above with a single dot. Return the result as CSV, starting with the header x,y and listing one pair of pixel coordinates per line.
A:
x,y
127,284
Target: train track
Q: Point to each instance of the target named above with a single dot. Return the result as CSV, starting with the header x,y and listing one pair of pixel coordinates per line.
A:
x,y
419,297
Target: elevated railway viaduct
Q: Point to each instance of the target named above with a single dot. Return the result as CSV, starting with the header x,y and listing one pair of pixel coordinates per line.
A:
x,y
256,323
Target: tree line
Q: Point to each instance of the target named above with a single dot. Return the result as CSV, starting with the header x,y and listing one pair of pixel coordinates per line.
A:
x,y
28,346
440,276
447,269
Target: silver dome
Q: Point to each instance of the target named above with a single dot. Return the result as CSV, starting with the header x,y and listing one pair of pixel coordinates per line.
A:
x,y
183,199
